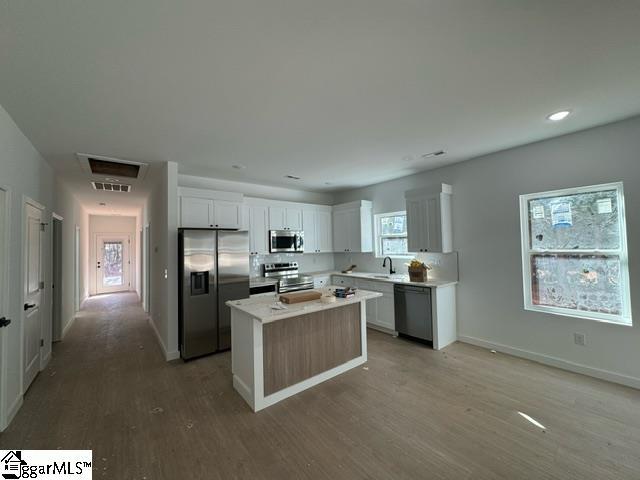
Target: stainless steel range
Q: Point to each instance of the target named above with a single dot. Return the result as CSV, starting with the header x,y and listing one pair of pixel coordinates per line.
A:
x,y
289,280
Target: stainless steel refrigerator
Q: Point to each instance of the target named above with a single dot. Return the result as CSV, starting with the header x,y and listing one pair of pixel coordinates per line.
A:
x,y
213,268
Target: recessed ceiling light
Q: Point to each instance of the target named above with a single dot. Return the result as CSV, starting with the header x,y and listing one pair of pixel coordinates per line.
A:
x,y
437,153
239,167
557,116
292,177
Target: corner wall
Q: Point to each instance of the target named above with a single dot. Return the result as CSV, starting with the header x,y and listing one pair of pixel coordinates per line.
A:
x,y
486,233
25,173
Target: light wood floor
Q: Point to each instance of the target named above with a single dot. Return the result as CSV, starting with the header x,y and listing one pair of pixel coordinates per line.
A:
x,y
411,413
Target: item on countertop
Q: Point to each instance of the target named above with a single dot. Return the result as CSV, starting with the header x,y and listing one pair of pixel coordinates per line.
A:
x,y
297,297
278,306
418,271
349,269
327,299
347,292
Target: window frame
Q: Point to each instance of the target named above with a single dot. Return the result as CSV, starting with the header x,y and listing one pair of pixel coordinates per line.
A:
x,y
625,318
377,221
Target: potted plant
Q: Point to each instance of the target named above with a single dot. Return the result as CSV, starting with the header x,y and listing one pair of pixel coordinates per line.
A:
x,y
418,271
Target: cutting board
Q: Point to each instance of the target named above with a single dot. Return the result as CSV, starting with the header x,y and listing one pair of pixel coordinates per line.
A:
x,y
297,297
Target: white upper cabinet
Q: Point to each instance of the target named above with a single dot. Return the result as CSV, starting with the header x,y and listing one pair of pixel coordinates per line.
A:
x,y
227,214
429,226
309,226
285,217
324,230
353,227
317,227
258,230
210,209
196,212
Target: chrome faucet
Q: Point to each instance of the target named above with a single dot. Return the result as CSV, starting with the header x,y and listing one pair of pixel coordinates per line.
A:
x,y
384,264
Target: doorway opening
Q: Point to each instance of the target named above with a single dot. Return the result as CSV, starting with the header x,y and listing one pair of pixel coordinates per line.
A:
x,y
56,277
113,266
4,309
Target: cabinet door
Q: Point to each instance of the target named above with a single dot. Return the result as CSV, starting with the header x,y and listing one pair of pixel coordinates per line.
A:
x,y
324,232
258,230
320,281
309,225
196,212
415,225
372,311
227,214
341,231
354,231
293,218
342,281
385,312
277,218
433,229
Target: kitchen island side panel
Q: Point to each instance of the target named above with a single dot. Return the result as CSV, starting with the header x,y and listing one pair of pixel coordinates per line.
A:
x,y
298,348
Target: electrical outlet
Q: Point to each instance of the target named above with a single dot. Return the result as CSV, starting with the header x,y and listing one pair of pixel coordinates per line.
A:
x,y
579,339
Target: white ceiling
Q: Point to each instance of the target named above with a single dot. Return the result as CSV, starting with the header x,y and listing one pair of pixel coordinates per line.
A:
x,y
349,92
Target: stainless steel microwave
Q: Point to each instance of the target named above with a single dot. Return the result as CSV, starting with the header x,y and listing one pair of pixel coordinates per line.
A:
x,y
289,241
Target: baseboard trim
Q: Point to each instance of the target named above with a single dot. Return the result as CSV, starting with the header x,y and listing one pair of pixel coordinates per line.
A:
x,y
13,410
168,355
66,328
607,375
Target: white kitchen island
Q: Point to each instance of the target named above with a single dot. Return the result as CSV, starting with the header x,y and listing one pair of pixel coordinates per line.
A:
x,y
278,353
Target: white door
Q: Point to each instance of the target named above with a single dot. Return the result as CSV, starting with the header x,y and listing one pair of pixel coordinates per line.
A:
x,y
227,214
293,218
341,231
258,231
277,218
196,212
4,311
32,292
309,225
112,263
324,232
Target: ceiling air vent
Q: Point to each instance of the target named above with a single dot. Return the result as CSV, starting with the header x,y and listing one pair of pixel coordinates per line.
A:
x,y
98,165
111,187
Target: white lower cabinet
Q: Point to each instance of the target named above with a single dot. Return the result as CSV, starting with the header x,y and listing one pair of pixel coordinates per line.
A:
x,y
321,281
380,310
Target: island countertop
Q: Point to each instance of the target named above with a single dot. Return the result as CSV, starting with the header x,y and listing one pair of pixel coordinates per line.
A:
x,y
260,307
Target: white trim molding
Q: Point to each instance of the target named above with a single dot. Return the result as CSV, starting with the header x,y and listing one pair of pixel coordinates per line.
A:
x,y
560,363
168,355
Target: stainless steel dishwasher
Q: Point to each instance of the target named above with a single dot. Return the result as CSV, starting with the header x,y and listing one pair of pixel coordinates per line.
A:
x,y
413,311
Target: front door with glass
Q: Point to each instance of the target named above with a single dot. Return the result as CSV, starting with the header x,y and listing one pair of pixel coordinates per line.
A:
x,y
112,263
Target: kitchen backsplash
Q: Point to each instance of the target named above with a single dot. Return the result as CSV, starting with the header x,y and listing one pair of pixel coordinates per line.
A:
x,y
310,262
445,265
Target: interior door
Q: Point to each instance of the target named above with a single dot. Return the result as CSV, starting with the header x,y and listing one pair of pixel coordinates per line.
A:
x,y
4,313
112,263
56,286
32,292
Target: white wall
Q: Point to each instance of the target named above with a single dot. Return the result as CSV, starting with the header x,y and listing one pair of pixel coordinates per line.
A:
x,y
161,213
74,215
24,171
253,190
112,224
486,232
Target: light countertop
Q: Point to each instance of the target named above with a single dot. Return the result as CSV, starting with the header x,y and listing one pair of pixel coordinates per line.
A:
x,y
395,278
259,307
261,281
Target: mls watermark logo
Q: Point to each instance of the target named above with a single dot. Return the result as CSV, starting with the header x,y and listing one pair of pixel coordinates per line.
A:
x,y
46,464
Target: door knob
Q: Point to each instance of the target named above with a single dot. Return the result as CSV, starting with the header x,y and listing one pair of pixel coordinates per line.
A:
x,y
4,322
27,306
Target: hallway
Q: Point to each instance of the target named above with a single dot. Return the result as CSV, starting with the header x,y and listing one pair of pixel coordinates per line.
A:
x,y
411,412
